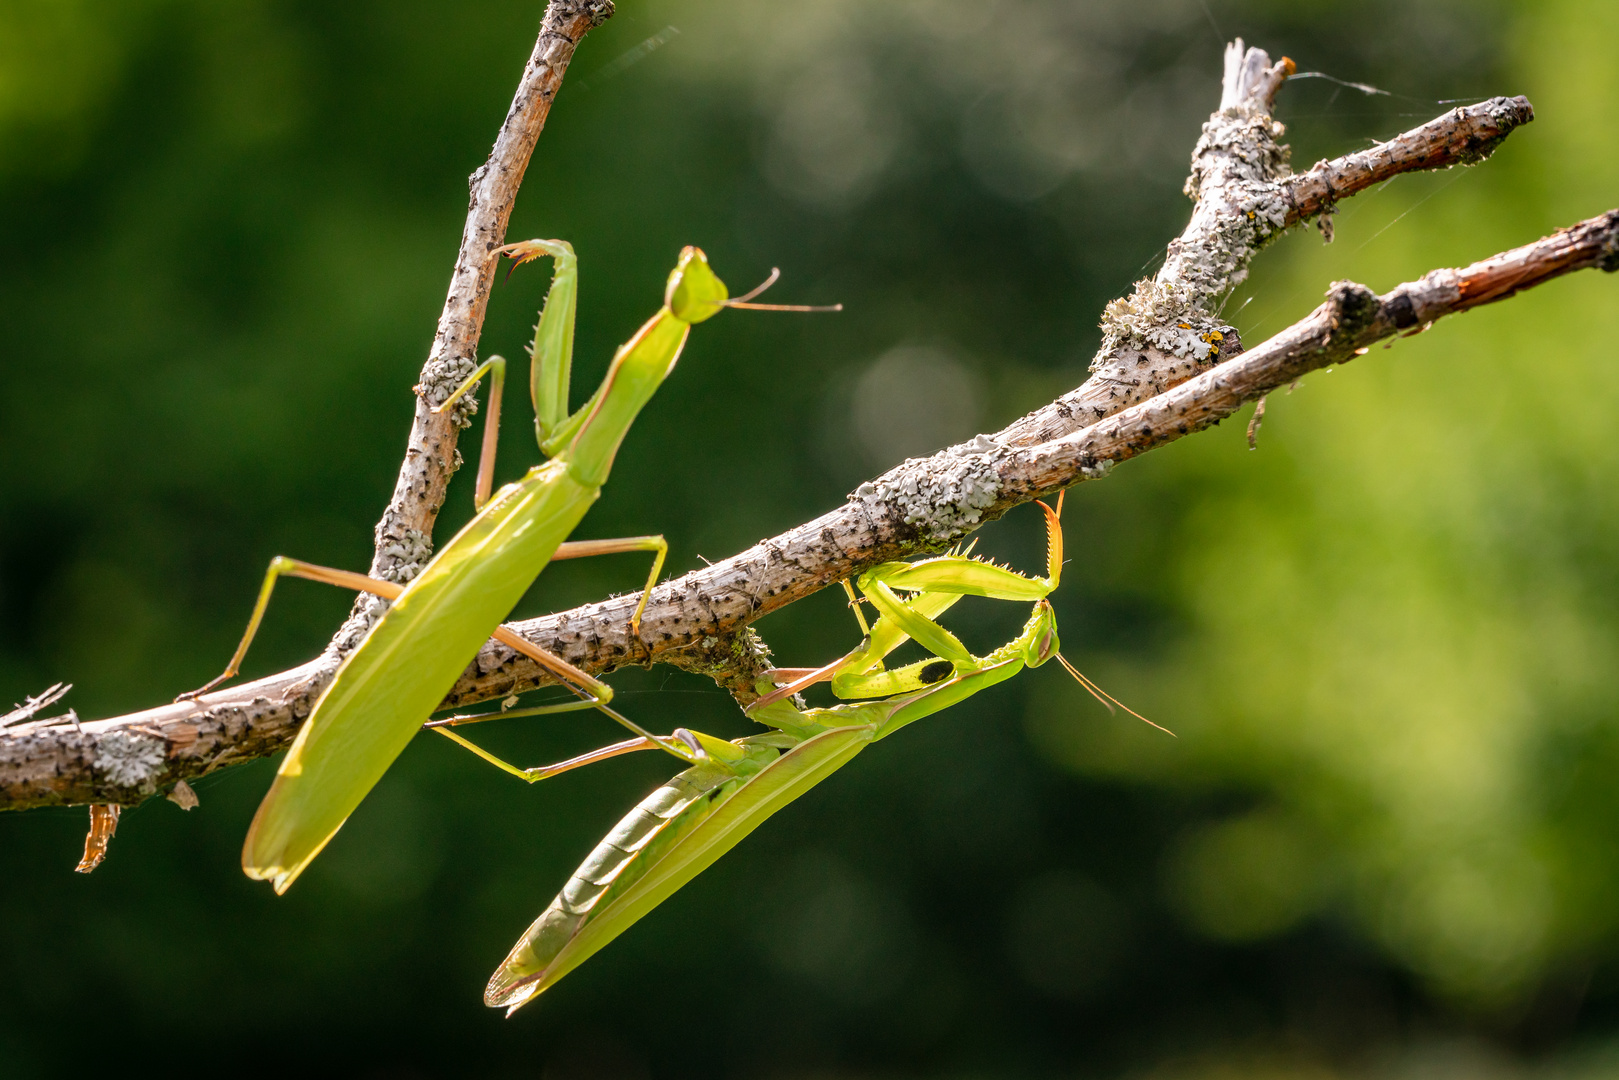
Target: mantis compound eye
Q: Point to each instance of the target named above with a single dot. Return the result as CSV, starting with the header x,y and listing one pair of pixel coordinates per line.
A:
x,y
1045,643
1046,646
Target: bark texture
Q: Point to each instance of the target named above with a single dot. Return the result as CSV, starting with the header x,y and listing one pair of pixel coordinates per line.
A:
x,y
1167,367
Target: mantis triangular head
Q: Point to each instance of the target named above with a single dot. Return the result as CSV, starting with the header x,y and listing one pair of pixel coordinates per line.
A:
x,y
694,292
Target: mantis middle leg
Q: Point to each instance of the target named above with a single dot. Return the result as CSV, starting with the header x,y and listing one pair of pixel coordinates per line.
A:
x,y
571,549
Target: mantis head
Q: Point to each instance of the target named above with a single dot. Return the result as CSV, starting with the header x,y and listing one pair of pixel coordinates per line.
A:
x,y
694,293
1041,635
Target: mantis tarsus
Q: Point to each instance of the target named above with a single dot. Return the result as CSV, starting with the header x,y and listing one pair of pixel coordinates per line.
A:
x,y
732,787
398,675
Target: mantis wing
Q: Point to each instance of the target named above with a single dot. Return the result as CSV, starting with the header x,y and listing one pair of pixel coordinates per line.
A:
x,y
399,673
681,829
672,836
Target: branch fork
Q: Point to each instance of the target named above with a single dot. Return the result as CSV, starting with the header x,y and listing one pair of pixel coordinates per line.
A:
x,y
1168,367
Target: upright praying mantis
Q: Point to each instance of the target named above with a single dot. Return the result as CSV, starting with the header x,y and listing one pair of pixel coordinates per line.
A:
x,y
732,787
398,675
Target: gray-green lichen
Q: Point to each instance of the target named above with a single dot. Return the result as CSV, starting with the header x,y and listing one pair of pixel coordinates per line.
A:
x,y
598,11
943,496
441,377
1238,145
129,759
1168,317
736,660
400,558
1236,169
403,557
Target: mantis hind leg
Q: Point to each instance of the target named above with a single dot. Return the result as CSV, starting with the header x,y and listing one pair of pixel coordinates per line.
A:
x,y
592,692
279,566
545,772
688,746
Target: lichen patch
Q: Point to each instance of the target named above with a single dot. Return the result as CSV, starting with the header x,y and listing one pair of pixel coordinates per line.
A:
x,y
129,759
943,496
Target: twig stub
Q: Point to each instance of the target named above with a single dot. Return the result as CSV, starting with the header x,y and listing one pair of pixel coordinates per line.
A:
x,y
103,824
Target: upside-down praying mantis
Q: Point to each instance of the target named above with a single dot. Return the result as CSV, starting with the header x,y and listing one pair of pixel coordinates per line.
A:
x,y
398,675
732,787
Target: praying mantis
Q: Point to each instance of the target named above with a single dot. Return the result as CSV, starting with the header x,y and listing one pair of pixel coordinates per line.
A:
x,y
732,787
395,679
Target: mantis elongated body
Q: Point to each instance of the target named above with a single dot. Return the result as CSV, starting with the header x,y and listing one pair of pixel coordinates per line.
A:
x,y
733,787
682,828
399,674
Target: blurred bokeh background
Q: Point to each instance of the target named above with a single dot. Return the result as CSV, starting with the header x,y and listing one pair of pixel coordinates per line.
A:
x,y
1386,842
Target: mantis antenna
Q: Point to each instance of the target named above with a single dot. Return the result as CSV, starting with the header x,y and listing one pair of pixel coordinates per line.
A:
x,y
1106,698
775,272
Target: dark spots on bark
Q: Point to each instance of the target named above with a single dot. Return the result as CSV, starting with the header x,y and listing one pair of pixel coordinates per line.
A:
x,y
1402,311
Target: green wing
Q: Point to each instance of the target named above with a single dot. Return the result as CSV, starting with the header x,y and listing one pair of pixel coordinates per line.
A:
x,y
398,675
672,836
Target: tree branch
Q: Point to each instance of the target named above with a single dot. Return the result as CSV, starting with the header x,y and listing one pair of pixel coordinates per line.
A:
x,y
1461,137
1352,319
242,723
404,535
1159,375
694,622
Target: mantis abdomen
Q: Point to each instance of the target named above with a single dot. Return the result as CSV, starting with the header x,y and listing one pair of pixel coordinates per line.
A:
x,y
381,695
673,835
618,862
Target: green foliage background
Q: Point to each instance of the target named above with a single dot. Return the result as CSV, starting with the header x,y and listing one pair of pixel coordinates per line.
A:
x,y
1385,838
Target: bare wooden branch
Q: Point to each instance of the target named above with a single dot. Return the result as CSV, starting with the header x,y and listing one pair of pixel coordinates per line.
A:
x,y
1352,319
403,536
1157,365
1461,137
35,705
1169,330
